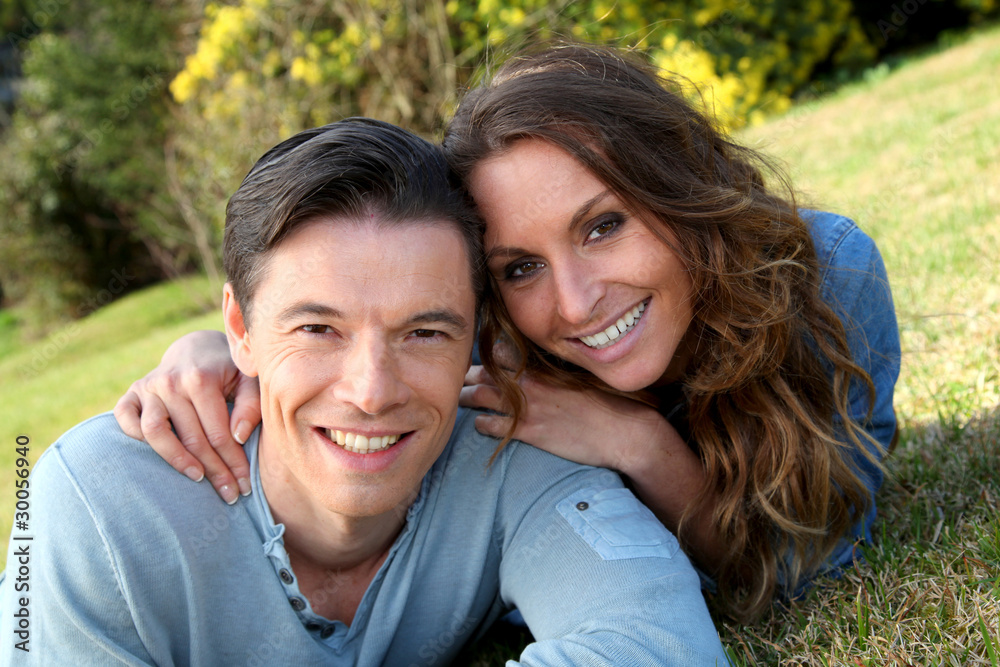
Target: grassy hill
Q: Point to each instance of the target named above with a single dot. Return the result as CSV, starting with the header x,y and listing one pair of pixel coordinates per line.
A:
x,y
913,155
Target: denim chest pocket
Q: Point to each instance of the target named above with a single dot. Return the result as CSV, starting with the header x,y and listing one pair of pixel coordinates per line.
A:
x,y
616,525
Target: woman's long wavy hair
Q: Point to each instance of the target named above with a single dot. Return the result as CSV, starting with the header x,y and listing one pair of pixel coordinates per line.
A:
x,y
772,368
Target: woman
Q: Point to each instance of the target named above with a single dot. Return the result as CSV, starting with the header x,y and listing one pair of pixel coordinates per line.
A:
x,y
661,310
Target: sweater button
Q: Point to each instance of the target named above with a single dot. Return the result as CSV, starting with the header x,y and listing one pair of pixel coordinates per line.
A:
x,y
286,576
327,631
582,505
297,604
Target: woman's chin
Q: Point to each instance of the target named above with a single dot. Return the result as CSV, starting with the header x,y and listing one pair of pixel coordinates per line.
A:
x,y
626,379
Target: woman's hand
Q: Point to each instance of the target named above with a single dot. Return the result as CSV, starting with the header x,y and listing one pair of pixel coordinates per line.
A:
x,y
587,426
189,390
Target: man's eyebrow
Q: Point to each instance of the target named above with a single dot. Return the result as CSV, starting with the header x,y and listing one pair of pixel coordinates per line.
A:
x,y
296,310
440,316
578,217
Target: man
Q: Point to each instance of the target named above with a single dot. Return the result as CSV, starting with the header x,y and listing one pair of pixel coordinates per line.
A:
x,y
377,533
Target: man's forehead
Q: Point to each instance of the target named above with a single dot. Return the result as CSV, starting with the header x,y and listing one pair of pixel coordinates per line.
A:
x,y
347,267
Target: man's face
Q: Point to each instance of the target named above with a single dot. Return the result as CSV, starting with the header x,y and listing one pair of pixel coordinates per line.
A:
x,y
361,335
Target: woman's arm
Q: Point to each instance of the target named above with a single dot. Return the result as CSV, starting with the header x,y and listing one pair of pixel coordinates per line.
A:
x,y
180,410
595,428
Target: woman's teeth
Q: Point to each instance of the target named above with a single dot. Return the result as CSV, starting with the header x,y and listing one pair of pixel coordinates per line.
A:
x,y
362,444
611,334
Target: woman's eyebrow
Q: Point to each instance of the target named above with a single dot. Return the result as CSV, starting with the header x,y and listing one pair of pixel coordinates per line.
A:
x,y
574,222
582,212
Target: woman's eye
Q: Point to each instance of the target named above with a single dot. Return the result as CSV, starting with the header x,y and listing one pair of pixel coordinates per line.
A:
x,y
603,228
522,269
317,328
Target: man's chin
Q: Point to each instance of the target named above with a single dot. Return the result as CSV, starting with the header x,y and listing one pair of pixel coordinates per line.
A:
x,y
367,502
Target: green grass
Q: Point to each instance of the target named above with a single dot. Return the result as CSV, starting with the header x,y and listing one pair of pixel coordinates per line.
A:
x,y
80,370
914,156
915,159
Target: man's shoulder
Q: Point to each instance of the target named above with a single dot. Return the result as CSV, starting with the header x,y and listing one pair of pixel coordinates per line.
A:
x,y
98,436
115,476
475,463
97,452
469,447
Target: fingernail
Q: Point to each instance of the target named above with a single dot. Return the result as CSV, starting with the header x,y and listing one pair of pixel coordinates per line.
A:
x,y
194,474
244,486
228,494
242,431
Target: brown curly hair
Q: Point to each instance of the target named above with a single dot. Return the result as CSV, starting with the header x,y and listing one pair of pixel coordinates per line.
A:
x,y
772,368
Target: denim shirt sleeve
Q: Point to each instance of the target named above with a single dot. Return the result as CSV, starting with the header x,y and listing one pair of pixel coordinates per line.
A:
x,y
855,285
78,614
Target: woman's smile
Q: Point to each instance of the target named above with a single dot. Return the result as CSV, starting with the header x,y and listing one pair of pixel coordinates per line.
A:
x,y
613,334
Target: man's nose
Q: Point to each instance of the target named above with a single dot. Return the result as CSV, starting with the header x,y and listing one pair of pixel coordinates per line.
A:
x,y
370,378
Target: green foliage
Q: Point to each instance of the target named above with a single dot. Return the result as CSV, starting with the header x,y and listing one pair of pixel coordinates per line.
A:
x,y
750,57
390,58
262,70
83,171
137,120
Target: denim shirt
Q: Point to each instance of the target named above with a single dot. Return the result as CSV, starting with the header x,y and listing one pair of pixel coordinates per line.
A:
x,y
855,285
131,563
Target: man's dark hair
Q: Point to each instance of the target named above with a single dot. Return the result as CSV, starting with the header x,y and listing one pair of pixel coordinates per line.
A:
x,y
359,168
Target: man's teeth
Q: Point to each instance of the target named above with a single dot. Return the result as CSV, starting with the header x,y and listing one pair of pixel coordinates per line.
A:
x,y
362,444
608,337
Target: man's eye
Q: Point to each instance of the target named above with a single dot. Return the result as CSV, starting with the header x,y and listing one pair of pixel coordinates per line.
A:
x,y
426,333
317,328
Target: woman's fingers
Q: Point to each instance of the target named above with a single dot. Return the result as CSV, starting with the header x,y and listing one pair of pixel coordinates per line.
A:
x,y
478,375
155,428
246,408
127,412
244,419
493,425
505,356
481,396
190,434
204,396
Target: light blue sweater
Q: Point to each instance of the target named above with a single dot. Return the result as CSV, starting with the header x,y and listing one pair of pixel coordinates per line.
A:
x,y
130,563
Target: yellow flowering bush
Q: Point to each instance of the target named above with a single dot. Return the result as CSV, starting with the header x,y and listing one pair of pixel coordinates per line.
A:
x,y
261,70
748,58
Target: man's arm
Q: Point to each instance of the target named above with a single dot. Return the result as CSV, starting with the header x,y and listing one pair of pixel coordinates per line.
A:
x,y
77,614
596,576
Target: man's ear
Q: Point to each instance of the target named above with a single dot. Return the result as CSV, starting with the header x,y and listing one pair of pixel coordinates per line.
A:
x,y
237,333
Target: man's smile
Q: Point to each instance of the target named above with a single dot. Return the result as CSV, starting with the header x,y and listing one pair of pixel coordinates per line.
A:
x,y
360,443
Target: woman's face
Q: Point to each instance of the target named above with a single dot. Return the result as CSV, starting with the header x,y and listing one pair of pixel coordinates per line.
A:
x,y
581,275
